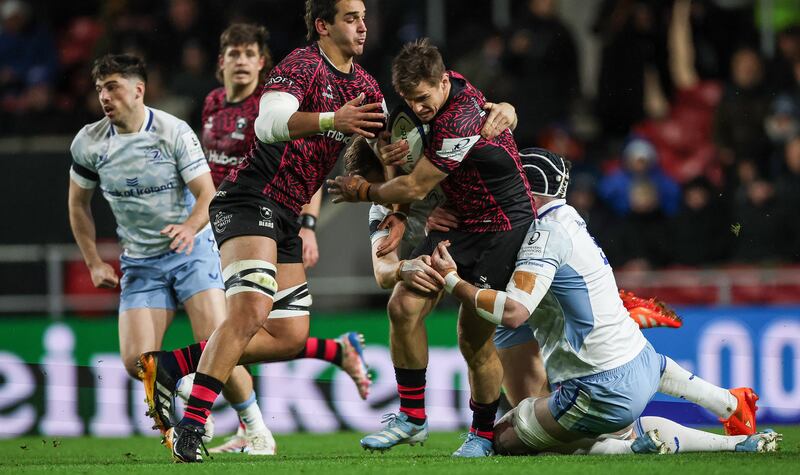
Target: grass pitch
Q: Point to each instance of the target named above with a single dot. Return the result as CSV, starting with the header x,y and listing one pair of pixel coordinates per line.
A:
x,y
340,453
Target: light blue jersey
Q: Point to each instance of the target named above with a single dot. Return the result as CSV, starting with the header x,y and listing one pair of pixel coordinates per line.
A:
x,y
593,332
142,175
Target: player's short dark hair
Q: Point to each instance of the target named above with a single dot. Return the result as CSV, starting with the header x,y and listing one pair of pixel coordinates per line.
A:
x,y
323,9
417,61
126,65
359,159
246,34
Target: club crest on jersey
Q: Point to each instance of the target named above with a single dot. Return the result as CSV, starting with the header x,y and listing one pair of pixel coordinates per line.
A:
x,y
209,123
266,217
241,123
328,92
221,221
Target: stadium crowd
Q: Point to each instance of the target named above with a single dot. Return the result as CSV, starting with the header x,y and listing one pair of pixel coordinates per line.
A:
x,y
688,153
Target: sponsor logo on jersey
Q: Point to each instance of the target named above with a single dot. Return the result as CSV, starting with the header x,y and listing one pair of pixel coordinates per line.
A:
x,y
221,221
456,149
223,158
337,136
266,217
136,191
535,246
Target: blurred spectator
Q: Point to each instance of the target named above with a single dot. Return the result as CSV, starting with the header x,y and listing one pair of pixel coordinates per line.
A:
x,y
787,195
700,233
781,124
184,23
757,225
683,137
484,69
159,97
600,222
543,61
28,60
781,74
193,81
633,50
739,120
645,233
639,162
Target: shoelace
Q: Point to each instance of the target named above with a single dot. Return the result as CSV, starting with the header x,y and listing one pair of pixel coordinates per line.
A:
x,y
389,419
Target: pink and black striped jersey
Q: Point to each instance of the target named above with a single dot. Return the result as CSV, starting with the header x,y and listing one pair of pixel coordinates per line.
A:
x,y
486,184
289,173
228,132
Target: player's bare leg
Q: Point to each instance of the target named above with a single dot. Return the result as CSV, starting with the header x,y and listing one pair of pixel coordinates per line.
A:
x,y
408,342
523,372
206,311
141,330
485,377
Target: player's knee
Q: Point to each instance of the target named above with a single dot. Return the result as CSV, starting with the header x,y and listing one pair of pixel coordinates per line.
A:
x,y
249,311
402,310
129,361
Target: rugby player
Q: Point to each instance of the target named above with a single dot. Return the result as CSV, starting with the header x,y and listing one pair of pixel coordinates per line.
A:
x,y
603,369
314,100
229,115
484,182
151,169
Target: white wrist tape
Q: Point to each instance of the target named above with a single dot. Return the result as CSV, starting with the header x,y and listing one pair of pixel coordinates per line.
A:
x,y
274,111
450,281
490,305
326,121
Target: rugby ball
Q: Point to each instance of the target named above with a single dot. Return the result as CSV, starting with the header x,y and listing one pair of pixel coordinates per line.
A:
x,y
404,125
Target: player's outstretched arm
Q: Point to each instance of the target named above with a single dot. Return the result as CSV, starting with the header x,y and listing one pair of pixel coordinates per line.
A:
x,y
498,307
280,120
401,189
82,223
182,234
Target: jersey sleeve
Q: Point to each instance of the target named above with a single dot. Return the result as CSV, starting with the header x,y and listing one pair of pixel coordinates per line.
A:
x,y
377,214
293,75
546,248
83,170
453,136
189,156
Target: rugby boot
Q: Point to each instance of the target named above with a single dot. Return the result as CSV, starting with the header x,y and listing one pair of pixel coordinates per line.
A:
x,y
397,431
766,441
353,362
185,442
743,419
475,446
650,443
159,390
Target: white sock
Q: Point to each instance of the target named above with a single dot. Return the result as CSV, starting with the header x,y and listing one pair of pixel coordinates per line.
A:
x,y
680,383
684,439
250,414
609,447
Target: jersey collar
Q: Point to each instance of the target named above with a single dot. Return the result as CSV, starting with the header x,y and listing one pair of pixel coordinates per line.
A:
x,y
147,124
550,206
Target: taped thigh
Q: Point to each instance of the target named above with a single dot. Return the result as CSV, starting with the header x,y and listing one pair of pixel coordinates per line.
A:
x,y
292,302
250,275
528,428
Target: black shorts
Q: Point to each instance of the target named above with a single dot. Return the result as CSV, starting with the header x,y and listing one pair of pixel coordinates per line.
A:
x,y
240,211
486,260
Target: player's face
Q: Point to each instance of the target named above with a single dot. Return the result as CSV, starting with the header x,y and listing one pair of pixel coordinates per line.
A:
x,y
119,96
426,99
240,64
349,30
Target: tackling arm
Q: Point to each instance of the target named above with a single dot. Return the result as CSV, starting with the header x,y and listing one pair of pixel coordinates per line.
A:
x,y
511,308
